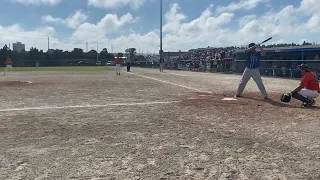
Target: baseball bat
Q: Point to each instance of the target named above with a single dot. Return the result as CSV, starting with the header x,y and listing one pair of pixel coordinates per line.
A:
x,y
266,40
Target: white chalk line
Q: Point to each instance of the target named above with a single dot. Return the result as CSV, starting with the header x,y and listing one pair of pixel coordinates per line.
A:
x,y
86,106
167,82
183,75
190,75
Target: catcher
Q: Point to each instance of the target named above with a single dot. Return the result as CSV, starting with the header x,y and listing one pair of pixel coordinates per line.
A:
x,y
308,89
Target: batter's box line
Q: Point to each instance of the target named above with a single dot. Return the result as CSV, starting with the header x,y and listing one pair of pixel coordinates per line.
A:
x,y
87,106
171,83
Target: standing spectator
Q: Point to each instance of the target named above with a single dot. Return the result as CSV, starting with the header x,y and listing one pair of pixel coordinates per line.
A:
x,y
204,64
161,64
37,63
211,65
128,64
8,66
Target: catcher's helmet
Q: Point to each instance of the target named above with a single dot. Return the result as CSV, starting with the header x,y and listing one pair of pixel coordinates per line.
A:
x,y
303,66
286,97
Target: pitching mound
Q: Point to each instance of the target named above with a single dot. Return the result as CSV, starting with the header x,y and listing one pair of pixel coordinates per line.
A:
x,y
17,84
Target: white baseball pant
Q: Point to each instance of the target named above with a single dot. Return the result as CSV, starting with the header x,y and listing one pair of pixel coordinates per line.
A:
x,y
309,93
8,67
161,67
118,68
255,75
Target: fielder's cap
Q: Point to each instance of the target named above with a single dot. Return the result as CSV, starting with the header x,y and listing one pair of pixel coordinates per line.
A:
x,y
303,66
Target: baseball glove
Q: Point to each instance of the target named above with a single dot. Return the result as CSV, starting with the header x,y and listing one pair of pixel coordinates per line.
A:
x,y
285,97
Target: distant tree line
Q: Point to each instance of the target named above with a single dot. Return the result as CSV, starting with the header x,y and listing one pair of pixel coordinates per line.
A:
x,y
53,57
57,57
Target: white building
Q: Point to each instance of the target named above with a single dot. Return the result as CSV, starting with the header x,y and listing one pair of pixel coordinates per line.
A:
x,y
18,47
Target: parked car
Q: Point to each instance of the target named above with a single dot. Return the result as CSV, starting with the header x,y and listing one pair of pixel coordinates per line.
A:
x,y
85,63
109,63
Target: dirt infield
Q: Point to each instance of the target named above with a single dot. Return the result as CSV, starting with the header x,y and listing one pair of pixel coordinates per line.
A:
x,y
152,125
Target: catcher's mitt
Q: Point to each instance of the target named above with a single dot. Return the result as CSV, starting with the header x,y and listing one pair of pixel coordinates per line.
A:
x,y
286,97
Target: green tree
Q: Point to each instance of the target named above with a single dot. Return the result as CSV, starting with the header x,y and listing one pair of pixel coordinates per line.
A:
x,y
139,58
104,53
5,52
33,54
131,52
77,53
92,54
120,54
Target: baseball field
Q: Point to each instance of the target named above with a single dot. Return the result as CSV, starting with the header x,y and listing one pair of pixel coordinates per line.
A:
x,y
93,124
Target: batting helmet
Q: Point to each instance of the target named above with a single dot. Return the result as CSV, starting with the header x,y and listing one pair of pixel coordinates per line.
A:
x,y
285,97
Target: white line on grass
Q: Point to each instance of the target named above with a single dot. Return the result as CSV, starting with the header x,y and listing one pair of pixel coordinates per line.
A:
x,y
167,82
85,106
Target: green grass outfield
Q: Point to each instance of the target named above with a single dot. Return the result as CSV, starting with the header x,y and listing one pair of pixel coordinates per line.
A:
x,y
62,68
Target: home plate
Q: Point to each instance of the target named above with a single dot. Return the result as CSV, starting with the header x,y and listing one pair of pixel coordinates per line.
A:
x,y
229,99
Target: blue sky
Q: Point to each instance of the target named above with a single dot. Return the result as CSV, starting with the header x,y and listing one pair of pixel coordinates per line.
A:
x,y
190,24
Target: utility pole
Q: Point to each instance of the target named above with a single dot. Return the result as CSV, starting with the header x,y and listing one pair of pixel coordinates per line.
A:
x,y
160,53
112,49
48,43
87,46
97,52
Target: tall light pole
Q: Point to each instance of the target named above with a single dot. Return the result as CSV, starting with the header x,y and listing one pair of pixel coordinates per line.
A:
x,y
160,52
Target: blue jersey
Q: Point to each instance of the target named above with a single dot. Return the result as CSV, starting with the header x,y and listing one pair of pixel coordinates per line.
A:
x,y
253,60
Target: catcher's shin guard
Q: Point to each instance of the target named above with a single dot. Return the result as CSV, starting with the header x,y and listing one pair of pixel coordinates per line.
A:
x,y
302,98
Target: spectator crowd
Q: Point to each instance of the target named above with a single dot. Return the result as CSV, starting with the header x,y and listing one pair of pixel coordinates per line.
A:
x,y
209,53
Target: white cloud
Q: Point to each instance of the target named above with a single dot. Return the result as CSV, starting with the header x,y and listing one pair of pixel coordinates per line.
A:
x,y
38,2
311,8
173,19
246,19
113,4
72,21
50,19
109,24
289,24
242,4
15,33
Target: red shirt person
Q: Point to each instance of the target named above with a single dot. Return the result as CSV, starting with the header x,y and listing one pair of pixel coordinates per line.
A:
x,y
308,89
117,61
8,66
9,62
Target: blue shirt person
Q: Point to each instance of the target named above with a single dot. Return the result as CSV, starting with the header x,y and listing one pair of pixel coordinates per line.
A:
x,y
252,70
253,56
